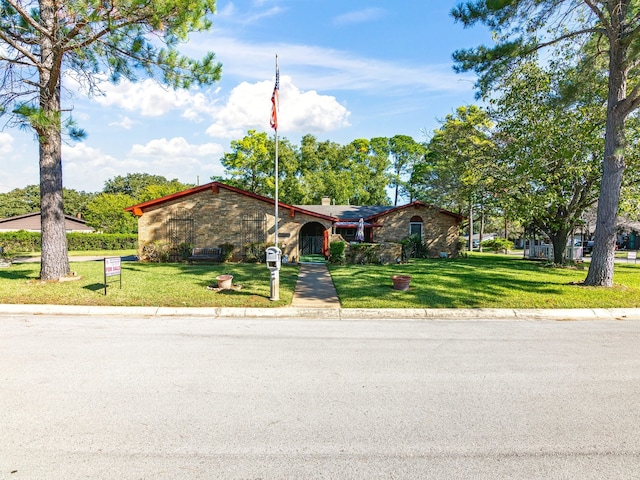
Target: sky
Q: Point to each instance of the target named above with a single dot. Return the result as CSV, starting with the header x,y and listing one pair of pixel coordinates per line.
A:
x,y
348,70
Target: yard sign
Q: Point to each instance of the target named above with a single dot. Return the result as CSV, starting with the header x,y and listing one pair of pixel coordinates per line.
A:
x,y
112,268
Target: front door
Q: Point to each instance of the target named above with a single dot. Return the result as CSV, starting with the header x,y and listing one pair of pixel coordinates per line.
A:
x,y
312,239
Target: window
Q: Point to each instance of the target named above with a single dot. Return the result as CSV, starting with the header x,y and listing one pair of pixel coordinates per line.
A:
x,y
416,226
348,234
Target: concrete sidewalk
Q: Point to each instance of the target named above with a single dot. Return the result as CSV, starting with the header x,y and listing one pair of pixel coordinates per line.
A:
x,y
315,288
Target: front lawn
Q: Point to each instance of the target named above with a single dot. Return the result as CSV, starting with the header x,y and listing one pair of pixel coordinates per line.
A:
x,y
149,284
483,280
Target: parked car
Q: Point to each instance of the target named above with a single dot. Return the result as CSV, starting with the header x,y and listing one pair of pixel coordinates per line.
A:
x,y
588,248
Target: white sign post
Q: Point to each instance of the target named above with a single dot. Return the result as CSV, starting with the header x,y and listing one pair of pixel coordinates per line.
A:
x,y
112,268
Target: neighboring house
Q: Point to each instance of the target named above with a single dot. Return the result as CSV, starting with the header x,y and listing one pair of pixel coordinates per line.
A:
x,y
31,223
213,214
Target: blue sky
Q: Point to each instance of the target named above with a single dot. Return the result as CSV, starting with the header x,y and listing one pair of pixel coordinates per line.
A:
x,y
348,70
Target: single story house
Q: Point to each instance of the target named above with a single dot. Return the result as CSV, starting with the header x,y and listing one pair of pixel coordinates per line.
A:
x,y
215,213
31,223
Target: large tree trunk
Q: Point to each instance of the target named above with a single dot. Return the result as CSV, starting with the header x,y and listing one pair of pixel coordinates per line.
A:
x,y
55,258
559,242
602,258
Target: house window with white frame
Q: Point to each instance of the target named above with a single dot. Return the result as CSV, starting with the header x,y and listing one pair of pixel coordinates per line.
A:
x,y
416,226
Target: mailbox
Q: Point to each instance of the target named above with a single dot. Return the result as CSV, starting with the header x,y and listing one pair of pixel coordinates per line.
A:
x,y
274,258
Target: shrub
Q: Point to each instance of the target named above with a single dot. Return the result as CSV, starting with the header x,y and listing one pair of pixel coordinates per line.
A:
x,y
155,252
227,251
414,247
23,241
336,252
184,250
498,244
255,252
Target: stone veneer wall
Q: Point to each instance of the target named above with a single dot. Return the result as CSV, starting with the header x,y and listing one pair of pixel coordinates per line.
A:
x,y
218,220
440,231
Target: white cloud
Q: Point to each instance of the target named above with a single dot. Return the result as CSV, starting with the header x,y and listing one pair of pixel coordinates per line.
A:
x,y
18,161
359,16
86,168
124,122
325,69
6,143
177,158
249,107
151,99
175,148
250,15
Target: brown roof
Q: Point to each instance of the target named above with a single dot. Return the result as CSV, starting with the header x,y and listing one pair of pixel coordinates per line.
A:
x,y
31,222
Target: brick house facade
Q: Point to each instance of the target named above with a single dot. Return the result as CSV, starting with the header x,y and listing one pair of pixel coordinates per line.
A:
x,y
214,214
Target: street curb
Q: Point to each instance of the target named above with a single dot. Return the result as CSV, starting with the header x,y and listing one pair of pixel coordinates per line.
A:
x,y
352,314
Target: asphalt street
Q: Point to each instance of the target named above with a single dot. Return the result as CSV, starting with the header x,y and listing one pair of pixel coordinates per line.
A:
x,y
106,397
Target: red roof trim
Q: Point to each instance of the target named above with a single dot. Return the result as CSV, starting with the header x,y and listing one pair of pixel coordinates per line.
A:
x,y
217,186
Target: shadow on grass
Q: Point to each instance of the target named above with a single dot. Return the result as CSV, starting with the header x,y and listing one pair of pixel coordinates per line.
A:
x,y
94,287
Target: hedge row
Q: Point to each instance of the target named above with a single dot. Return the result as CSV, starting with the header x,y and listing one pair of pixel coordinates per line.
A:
x,y
23,241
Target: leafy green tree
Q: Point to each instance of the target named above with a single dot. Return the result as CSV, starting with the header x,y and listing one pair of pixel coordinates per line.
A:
x,y
20,201
353,174
456,172
75,202
27,200
368,165
613,27
42,40
549,157
143,186
405,152
251,163
106,213
322,171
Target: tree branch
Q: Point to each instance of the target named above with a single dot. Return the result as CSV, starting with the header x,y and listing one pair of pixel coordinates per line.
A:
x,y
27,18
16,46
599,13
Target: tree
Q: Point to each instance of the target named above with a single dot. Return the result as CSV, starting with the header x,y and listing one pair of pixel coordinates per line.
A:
x,y
27,200
106,213
143,186
455,173
75,203
44,40
20,201
251,163
613,26
324,171
404,151
549,151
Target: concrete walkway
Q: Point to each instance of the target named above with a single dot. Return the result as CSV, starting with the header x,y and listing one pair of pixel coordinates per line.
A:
x,y
315,288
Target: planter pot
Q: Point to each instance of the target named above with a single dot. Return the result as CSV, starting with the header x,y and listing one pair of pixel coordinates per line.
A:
x,y
401,282
224,281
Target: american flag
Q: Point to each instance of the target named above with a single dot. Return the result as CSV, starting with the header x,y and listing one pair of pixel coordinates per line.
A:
x,y
275,101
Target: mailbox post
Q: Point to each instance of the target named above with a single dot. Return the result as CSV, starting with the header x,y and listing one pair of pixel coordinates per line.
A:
x,y
274,259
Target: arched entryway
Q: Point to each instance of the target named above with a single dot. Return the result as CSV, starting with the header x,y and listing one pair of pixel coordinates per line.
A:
x,y
312,239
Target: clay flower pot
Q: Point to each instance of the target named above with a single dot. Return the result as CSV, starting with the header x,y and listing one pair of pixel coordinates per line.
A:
x,y
401,282
224,281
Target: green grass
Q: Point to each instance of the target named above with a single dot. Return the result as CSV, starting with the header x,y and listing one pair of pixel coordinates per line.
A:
x,y
482,281
147,284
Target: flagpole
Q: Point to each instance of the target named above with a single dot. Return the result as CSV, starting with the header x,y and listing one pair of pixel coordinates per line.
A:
x,y
275,269
276,169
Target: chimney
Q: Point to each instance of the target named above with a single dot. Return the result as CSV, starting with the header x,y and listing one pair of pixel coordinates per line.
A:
x,y
326,201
